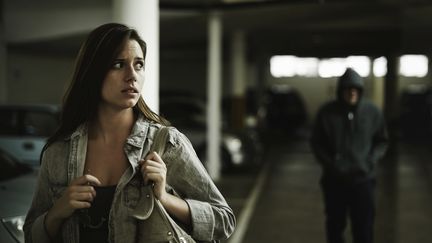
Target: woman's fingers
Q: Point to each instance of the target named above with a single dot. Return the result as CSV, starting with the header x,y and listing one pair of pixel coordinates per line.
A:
x,y
151,162
153,174
155,157
83,196
78,197
81,191
86,180
84,189
79,194
83,185
153,169
154,177
80,204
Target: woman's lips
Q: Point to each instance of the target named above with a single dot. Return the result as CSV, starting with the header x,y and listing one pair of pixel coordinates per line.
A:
x,y
130,90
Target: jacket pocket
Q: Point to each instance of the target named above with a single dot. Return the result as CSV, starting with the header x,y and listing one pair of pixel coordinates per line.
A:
x,y
145,204
132,193
154,229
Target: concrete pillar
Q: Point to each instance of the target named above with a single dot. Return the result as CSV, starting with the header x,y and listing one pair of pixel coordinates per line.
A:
x,y
377,88
3,60
214,80
144,17
238,71
391,88
429,74
3,76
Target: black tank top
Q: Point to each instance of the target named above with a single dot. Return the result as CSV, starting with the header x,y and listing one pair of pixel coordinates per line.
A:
x,y
94,220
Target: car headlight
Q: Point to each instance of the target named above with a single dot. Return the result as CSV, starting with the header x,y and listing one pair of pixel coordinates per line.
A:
x,y
15,227
233,143
234,146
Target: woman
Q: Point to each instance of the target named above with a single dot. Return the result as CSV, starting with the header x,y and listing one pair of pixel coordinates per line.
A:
x,y
90,170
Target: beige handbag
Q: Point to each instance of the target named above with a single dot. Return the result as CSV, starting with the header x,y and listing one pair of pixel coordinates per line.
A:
x,y
154,222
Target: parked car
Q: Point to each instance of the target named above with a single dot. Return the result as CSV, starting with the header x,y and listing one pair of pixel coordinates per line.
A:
x,y
188,115
283,109
25,128
17,183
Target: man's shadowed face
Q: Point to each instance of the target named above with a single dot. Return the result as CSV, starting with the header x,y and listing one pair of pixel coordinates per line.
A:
x,y
351,95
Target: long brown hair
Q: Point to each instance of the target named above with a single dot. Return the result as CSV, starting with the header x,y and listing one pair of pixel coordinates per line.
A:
x,y
96,55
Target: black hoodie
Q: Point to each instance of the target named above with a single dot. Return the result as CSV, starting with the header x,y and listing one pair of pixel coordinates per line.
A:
x,y
348,140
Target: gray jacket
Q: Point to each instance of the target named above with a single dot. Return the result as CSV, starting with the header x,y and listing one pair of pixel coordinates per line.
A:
x,y
63,161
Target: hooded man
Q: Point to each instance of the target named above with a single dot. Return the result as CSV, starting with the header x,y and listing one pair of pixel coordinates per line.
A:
x,y
348,138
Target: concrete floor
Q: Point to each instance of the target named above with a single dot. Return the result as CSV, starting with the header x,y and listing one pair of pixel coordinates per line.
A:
x,y
282,201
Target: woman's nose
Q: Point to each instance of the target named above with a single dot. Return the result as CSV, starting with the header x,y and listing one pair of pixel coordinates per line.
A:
x,y
131,75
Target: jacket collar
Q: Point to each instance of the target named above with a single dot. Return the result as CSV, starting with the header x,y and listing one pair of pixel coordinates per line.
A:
x,y
136,138
79,132
139,130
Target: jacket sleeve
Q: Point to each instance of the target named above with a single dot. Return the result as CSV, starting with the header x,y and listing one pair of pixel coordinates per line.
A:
x,y
319,142
34,229
380,140
212,218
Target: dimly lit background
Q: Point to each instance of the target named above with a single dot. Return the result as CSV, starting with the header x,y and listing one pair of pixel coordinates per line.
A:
x,y
279,62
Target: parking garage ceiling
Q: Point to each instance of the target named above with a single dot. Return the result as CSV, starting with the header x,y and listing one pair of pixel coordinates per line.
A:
x,y
300,27
318,28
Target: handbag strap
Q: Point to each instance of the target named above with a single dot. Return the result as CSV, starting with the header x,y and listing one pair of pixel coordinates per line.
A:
x,y
143,210
159,140
158,146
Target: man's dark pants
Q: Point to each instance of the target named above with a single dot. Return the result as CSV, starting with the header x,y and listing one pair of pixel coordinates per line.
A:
x,y
356,201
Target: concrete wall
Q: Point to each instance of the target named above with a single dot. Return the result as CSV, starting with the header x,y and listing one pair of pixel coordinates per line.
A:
x,y
37,79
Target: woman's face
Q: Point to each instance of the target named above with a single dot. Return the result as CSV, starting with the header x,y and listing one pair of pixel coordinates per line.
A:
x,y
122,85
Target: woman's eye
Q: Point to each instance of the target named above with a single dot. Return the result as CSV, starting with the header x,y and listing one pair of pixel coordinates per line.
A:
x,y
139,65
117,65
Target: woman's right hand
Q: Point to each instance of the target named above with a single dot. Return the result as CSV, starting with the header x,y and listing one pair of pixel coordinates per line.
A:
x,y
78,195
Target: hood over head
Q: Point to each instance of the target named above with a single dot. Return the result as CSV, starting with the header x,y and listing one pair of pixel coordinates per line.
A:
x,y
350,79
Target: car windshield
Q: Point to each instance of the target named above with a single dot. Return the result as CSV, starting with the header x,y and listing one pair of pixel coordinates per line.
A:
x,y
11,168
